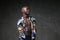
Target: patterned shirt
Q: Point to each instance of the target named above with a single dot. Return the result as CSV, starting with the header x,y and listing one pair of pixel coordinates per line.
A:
x,y
21,23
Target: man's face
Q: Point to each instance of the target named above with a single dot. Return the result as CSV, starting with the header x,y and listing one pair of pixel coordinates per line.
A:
x,y
25,10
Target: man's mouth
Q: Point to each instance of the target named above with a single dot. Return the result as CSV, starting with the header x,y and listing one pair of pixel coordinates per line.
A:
x,y
27,14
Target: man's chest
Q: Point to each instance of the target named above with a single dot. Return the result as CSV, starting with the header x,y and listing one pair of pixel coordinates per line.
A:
x,y
27,22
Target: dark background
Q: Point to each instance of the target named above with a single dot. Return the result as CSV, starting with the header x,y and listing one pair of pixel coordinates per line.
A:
x,y
46,12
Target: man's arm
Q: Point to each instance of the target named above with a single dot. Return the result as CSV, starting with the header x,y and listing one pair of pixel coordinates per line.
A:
x,y
19,25
20,28
34,26
34,29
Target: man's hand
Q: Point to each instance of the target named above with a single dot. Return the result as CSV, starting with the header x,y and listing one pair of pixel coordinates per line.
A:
x,y
20,29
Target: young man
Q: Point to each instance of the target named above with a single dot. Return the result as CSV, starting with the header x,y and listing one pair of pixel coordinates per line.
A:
x,y
26,25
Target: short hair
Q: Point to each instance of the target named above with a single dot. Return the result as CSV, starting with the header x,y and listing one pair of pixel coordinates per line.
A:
x,y
26,7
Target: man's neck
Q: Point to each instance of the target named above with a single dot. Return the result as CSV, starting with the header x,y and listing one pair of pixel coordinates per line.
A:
x,y
25,17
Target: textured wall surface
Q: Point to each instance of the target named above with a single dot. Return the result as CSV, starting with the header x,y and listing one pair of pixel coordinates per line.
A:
x,y
46,13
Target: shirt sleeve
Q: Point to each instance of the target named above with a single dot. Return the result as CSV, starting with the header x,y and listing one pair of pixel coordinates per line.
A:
x,y
19,23
34,22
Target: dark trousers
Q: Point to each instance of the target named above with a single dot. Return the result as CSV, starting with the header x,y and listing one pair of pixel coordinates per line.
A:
x,y
28,37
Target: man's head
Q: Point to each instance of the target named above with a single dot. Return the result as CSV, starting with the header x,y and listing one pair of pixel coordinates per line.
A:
x,y
25,10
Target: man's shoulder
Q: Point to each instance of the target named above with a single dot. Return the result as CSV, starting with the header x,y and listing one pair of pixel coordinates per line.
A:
x,y
19,21
32,18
